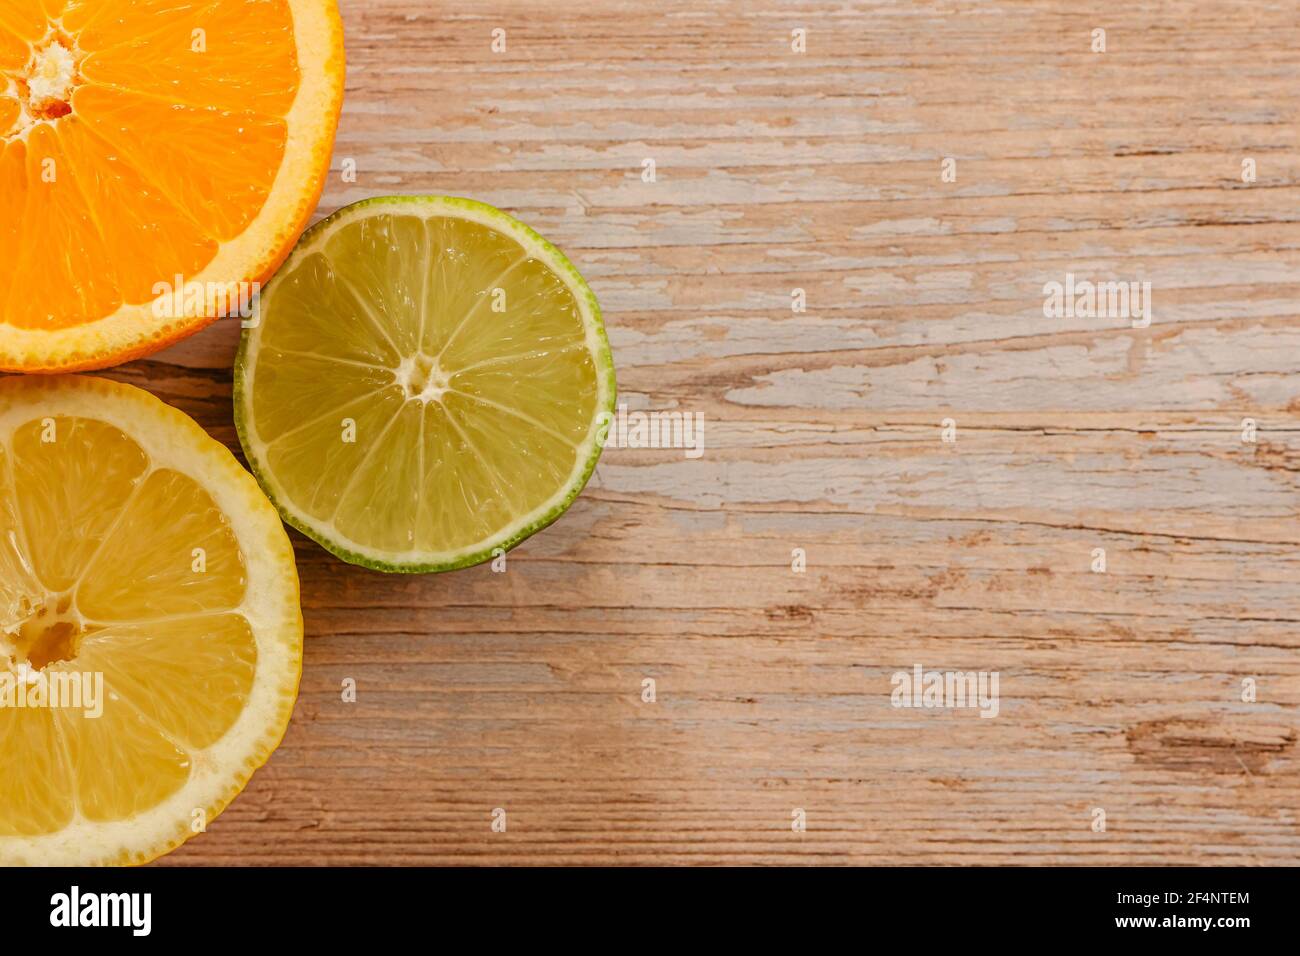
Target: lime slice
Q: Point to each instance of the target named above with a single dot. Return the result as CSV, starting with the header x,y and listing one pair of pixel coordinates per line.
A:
x,y
425,384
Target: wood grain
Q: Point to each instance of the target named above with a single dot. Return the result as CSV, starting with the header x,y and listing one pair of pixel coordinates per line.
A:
x,y
821,171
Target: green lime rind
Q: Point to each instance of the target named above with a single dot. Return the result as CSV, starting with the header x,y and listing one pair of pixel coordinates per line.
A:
x,y
603,359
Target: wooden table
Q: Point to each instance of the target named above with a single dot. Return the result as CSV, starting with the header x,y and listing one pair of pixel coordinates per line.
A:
x,y
824,171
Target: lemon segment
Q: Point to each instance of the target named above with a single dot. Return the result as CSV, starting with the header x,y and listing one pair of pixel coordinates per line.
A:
x,y
151,640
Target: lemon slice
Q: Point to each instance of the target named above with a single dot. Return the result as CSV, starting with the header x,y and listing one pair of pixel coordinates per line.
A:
x,y
152,639
426,383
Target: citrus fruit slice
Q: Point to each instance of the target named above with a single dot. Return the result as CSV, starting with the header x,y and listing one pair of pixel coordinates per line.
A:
x,y
158,159
152,639
426,382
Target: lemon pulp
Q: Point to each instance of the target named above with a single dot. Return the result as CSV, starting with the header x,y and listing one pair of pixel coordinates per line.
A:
x,y
131,632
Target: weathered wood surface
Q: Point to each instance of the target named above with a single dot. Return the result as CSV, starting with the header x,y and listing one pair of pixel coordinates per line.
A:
x,y
821,171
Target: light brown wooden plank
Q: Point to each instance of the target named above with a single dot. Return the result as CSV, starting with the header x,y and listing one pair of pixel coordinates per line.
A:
x,y
822,171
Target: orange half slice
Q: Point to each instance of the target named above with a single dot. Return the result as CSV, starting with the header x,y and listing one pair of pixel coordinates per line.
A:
x,y
158,160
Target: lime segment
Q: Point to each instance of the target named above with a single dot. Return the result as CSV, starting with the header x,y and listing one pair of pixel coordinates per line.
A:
x,y
424,383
